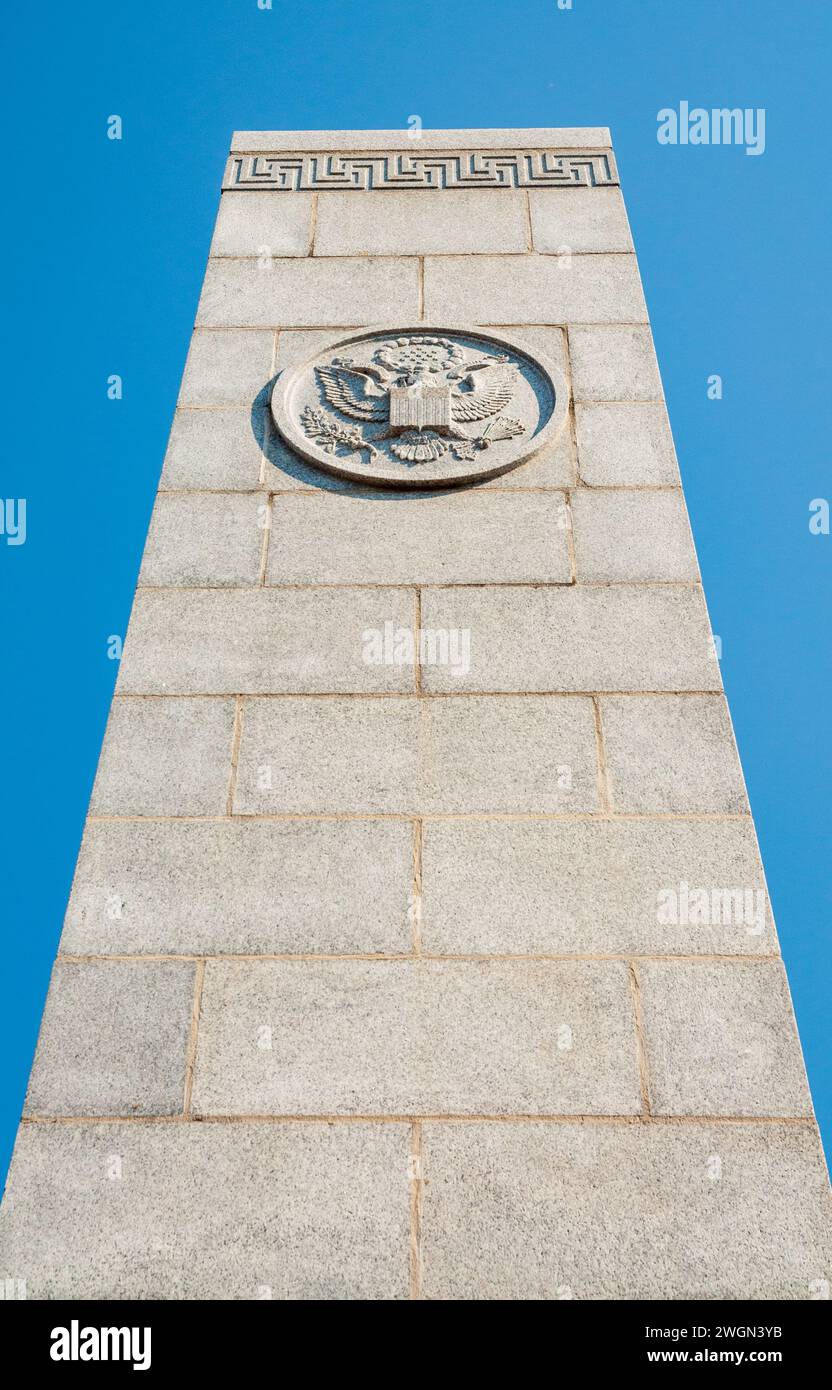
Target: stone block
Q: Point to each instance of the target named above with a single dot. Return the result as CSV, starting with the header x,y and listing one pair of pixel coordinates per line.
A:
x,y
213,540
519,289
114,1039
405,756
218,449
444,220
671,753
555,466
632,534
288,1212
214,887
449,537
637,1212
605,888
508,754
614,363
572,638
335,755
626,445
301,293
165,758
416,1037
227,368
580,219
721,1039
260,224
261,641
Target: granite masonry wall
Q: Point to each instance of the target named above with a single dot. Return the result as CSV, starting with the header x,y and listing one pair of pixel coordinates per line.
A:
x,y
370,984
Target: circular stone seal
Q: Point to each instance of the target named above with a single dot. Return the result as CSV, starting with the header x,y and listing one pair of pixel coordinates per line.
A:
x,y
420,407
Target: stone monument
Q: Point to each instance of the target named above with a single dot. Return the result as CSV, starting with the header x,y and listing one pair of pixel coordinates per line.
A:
x,y
419,945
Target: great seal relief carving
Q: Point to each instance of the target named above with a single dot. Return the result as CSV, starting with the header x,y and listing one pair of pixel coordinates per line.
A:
x,y
420,407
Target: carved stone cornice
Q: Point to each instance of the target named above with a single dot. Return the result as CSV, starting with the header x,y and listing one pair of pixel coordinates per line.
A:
x,y
517,168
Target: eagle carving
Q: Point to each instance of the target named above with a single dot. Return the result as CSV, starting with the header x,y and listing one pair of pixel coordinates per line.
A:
x,y
418,391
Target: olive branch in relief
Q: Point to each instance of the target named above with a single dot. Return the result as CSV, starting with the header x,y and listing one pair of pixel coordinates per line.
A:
x,y
329,432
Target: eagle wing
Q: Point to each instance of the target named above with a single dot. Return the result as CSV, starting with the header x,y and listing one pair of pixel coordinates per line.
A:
x,y
483,401
346,391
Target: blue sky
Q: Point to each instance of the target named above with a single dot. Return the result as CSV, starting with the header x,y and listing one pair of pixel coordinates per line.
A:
x,y
105,248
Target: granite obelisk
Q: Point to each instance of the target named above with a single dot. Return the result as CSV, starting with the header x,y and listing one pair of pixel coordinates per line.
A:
x,y
419,945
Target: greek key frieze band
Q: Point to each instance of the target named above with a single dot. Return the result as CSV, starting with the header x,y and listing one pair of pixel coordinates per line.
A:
x,y
474,169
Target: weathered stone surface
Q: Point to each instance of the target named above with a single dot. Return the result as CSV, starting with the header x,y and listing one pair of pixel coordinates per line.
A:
x,y
258,224
572,638
302,292
450,537
632,535
214,540
671,753
214,449
114,1039
227,368
165,758
465,755
503,887
579,219
606,1211
721,1039
614,364
627,445
445,220
514,289
416,1037
205,888
301,1211
261,641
